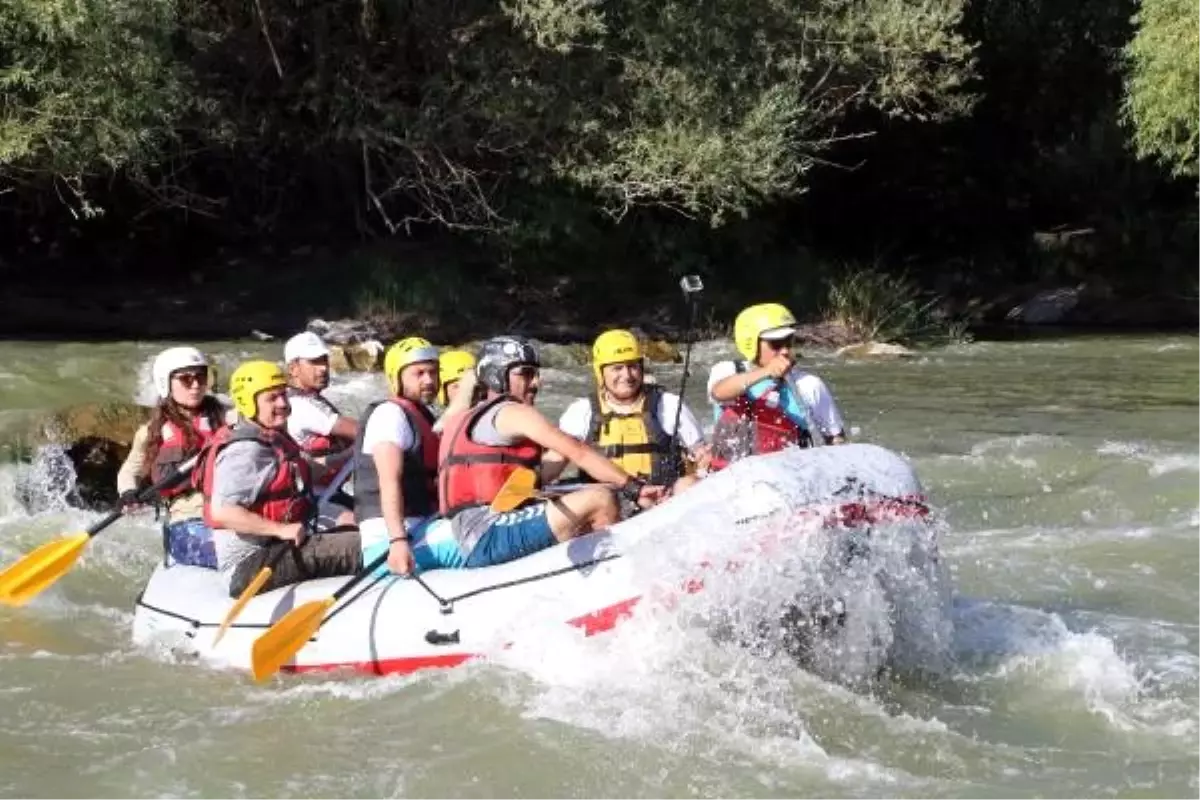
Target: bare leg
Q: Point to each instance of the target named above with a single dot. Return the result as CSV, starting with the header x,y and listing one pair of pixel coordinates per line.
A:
x,y
582,512
684,483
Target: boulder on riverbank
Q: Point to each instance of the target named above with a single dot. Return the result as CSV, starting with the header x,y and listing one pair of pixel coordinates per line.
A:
x,y
825,335
359,345
1092,304
359,357
96,438
880,350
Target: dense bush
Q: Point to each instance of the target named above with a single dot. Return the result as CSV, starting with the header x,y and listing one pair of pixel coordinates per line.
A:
x,y
749,140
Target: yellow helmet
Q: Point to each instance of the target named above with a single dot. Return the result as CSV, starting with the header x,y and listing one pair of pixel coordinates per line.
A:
x,y
754,321
250,379
412,350
614,347
452,365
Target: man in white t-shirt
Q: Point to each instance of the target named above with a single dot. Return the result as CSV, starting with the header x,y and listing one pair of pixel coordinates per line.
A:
x,y
323,433
766,402
633,422
395,475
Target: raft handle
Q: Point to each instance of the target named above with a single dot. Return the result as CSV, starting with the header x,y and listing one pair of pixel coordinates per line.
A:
x,y
435,637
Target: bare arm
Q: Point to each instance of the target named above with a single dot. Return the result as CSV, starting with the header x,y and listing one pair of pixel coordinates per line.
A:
x,y
729,389
519,420
553,465
462,399
389,463
237,518
345,428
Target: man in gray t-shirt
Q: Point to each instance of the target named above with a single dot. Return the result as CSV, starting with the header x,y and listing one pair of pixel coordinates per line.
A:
x,y
258,496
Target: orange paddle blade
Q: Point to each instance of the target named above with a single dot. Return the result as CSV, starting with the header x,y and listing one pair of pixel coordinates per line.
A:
x,y
245,597
285,638
34,572
520,486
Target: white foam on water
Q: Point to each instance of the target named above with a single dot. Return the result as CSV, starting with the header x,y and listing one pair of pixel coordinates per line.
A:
x,y
1159,463
1165,464
144,392
708,674
346,685
1048,669
45,485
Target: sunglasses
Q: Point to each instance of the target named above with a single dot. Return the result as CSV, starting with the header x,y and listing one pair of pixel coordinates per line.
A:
x,y
779,344
190,379
528,373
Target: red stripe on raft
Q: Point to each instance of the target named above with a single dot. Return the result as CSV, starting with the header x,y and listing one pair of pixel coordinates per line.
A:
x,y
595,622
390,666
605,619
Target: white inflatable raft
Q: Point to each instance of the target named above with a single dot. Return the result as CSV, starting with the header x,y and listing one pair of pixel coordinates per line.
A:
x,y
392,625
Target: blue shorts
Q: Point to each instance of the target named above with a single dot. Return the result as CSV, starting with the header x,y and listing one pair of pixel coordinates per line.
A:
x,y
190,542
511,536
433,543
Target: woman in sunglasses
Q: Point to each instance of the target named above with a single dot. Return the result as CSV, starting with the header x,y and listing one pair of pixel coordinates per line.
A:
x,y
185,419
765,403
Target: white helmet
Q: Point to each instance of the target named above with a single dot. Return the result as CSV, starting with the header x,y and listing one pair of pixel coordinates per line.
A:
x,y
173,359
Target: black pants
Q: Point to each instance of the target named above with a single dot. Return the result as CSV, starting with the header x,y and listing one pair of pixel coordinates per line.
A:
x,y
323,555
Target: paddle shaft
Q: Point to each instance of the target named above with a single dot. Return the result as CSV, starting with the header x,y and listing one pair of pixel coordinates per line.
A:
x,y
692,287
362,575
146,494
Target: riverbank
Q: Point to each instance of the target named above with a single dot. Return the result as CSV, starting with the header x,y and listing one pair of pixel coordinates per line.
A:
x,y
400,289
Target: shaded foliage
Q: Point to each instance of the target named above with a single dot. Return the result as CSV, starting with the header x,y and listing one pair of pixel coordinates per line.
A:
x,y
757,142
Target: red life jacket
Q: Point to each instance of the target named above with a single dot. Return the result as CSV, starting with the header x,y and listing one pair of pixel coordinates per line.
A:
x,y
286,497
470,473
748,427
419,477
314,444
174,450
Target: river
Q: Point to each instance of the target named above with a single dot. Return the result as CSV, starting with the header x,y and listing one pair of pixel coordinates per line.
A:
x,y
1064,473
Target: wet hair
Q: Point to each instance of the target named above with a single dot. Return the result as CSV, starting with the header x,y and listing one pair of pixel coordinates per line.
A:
x,y
170,411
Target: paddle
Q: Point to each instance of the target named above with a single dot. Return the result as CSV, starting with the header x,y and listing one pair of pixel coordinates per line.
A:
x,y
264,574
692,286
284,639
521,486
37,570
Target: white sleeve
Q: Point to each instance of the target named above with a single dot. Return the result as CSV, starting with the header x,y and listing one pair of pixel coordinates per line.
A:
x,y
690,434
134,468
388,423
719,372
820,404
577,418
307,418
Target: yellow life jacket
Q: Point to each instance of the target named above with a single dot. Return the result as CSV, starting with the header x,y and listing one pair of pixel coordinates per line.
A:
x,y
636,439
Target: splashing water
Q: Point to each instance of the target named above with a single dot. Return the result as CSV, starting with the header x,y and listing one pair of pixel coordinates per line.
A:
x,y
46,484
1064,661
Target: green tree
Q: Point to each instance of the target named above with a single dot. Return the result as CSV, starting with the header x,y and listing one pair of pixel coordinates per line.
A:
x,y
1162,102
89,87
